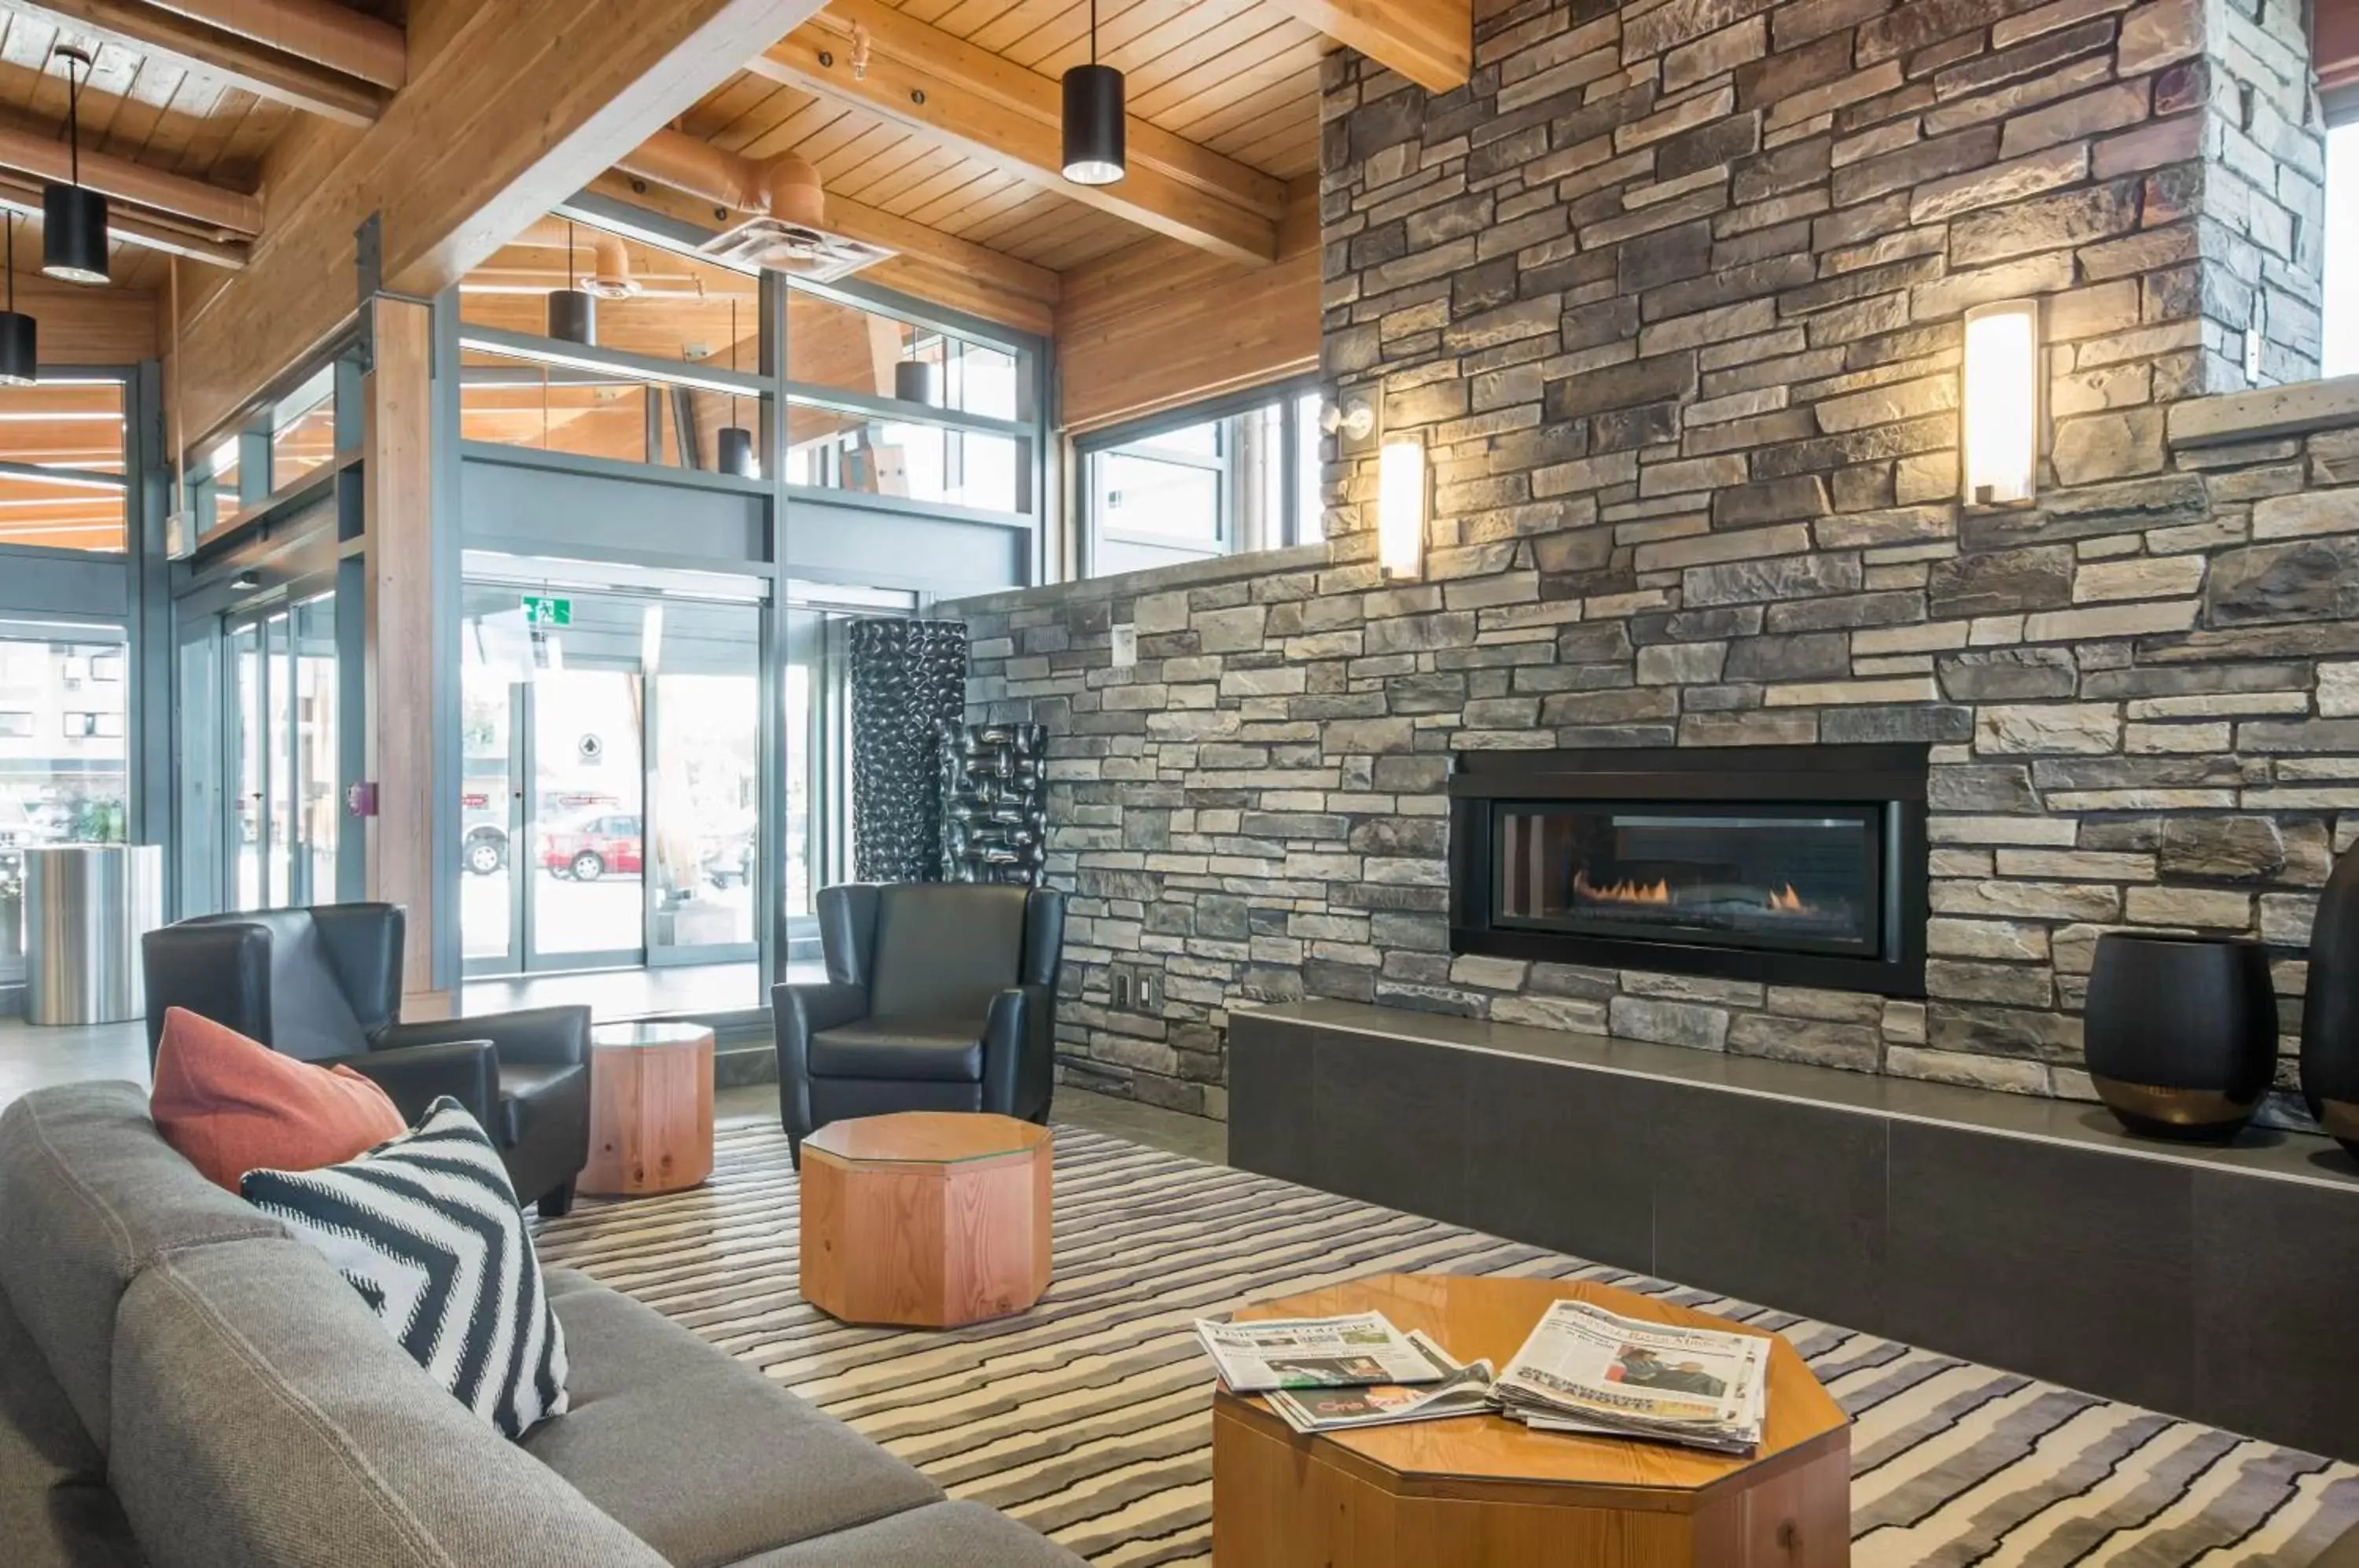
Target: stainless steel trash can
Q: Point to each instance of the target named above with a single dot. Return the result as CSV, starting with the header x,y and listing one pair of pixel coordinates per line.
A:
x,y
86,906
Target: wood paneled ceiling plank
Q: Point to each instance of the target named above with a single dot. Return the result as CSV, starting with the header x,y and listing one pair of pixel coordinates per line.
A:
x,y
987,128
1432,42
241,61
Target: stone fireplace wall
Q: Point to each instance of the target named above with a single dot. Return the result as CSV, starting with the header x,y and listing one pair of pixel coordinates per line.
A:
x,y
1673,292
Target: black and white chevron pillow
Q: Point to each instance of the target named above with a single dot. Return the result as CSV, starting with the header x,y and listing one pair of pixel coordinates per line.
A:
x,y
426,1227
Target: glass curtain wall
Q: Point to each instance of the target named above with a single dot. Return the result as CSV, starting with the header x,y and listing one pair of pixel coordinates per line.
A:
x,y
64,763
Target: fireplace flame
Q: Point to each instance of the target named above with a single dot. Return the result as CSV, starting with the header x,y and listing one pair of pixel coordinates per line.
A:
x,y
1621,892
1789,902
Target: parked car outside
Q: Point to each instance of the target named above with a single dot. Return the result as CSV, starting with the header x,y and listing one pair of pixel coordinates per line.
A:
x,y
593,847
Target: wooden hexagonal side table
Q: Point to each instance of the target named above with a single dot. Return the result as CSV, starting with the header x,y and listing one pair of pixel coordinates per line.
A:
x,y
926,1219
1485,1490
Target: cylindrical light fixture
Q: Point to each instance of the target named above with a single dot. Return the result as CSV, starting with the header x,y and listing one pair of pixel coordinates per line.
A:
x,y
1096,131
733,448
73,220
1400,507
573,313
20,351
2000,463
917,381
737,452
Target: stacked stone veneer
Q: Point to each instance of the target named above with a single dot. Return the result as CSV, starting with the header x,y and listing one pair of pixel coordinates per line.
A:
x,y
1673,292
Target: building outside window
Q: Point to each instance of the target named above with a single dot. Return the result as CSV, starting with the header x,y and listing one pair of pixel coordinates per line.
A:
x,y
1238,475
2341,334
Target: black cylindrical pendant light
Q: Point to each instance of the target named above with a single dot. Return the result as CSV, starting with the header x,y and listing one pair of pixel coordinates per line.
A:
x,y
1097,142
573,313
917,381
735,451
20,353
73,220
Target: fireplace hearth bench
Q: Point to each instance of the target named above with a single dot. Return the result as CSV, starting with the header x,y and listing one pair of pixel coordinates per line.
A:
x,y
2029,1234
180,1382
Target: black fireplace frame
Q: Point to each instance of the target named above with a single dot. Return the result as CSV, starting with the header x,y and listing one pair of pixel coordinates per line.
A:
x,y
1889,777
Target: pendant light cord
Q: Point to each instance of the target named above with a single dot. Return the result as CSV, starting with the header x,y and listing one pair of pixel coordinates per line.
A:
x,y
569,256
1094,32
73,123
12,261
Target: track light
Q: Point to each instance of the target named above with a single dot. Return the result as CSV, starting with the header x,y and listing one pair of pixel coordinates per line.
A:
x,y
20,355
74,219
1096,135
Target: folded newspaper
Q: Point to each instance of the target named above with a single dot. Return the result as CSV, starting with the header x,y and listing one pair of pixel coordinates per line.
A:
x,y
1359,1351
1584,1370
1461,1391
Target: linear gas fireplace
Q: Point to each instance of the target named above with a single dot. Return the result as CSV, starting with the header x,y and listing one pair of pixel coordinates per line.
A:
x,y
1789,865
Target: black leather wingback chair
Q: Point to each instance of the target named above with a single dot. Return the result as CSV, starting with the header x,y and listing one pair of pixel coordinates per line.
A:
x,y
940,996
324,984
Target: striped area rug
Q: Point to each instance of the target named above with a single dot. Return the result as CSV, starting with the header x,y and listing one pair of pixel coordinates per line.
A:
x,y
1088,1417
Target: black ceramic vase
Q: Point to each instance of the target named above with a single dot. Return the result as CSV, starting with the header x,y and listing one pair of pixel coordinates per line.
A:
x,y
2330,1009
2180,1033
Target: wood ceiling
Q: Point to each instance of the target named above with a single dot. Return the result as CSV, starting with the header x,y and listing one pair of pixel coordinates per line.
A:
x,y
1239,77
932,123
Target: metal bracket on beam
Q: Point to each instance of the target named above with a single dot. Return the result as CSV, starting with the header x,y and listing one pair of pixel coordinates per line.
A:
x,y
368,267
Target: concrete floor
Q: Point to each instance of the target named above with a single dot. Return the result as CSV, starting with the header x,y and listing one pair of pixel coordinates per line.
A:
x,y
32,1057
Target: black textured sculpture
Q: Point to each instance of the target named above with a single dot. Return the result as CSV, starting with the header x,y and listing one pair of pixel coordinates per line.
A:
x,y
2330,1007
908,678
995,803
2180,1032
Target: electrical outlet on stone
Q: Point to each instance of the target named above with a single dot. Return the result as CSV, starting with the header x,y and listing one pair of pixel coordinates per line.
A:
x,y
1124,645
1118,990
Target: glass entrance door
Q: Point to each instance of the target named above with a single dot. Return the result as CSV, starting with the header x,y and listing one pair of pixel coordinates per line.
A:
x,y
285,809
612,780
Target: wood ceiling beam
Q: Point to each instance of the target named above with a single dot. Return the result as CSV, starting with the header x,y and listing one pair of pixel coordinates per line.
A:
x,y
23,197
213,51
955,60
529,101
983,127
228,212
1432,42
329,33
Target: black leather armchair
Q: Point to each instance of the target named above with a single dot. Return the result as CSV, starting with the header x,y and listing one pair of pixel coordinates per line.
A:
x,y
324,984
940,996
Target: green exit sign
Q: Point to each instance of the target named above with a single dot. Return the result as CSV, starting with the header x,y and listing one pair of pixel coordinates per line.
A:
x,y
539,610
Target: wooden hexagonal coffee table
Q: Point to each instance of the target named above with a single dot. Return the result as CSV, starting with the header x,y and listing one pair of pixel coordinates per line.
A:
x,y
926,1219
1486,1490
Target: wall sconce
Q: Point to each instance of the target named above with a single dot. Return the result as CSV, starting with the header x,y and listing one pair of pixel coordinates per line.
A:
x,y
1400,507
2002,401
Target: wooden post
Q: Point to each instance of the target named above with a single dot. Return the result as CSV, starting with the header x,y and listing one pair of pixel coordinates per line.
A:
x,y
398,522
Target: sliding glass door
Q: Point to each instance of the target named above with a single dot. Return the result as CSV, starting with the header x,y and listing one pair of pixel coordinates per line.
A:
x,y
279,700
612,779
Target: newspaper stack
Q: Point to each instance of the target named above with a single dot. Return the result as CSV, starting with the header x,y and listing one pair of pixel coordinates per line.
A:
x,y
1585,1369
1461,1391
1359,1351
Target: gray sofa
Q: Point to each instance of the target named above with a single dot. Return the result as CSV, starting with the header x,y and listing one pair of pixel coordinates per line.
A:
x,y
181,1383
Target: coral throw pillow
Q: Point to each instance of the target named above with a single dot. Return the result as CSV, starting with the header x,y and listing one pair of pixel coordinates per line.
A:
x,y
231,1104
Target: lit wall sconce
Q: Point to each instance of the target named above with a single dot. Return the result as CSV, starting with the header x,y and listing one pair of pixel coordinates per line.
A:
x,y
2002,401
1400,507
